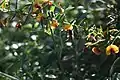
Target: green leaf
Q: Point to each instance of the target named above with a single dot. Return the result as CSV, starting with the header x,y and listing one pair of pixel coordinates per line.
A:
x,y
52,8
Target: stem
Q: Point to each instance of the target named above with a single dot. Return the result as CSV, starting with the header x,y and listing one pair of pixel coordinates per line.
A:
x,y
29,13
59,55
9,76
112,67
16,3
116,37
52,36
76,56
61,42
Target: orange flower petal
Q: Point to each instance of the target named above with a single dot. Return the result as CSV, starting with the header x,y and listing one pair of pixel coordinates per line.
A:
x,y
68,27
96,50
54,24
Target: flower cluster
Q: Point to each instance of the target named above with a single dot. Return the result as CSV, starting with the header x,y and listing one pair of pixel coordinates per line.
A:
x,y
111,49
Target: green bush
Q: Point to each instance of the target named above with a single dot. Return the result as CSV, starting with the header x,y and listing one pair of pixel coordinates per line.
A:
x,y
59,40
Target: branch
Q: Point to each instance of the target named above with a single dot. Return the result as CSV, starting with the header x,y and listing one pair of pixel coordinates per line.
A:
x,y
9,76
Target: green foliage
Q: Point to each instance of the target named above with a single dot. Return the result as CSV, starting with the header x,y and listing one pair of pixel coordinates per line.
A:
x,y
59,40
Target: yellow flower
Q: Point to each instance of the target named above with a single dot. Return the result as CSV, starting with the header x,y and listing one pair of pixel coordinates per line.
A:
x,y
112,49
38,4
39,17
54,24
96,50
68,27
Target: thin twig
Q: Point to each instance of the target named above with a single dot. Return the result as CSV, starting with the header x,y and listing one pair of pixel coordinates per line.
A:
x,y
7,75
116,37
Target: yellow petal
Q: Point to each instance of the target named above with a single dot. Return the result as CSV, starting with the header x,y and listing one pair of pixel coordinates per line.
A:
x,y
112,48
54,24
